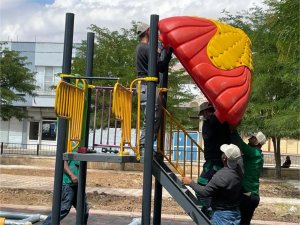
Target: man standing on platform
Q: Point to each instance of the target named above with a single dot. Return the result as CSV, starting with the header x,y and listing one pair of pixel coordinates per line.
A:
x,y
141,60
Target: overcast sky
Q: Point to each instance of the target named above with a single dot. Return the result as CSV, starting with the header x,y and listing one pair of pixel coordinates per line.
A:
x,y
44,20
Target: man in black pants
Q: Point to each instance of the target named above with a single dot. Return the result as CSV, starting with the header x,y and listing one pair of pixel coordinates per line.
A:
x,y
141,59
214,134
253,161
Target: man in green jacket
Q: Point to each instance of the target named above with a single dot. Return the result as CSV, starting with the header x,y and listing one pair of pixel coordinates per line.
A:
x,y
69,191
253,163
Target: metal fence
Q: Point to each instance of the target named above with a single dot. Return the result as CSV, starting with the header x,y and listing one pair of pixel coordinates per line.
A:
x,y
27,149
50,150
269,159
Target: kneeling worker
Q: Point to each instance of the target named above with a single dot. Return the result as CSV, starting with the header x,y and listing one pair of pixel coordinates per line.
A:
x,y
224,188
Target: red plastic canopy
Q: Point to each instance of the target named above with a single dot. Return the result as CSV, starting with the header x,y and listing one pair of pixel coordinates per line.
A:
x,y
227,89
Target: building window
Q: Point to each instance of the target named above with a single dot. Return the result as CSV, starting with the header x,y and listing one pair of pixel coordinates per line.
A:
x,y
48,81
34,130
49,130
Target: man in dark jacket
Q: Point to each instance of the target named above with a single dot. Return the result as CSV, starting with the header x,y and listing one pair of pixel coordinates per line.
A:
x,y
287,163
214,134
253,161
224,188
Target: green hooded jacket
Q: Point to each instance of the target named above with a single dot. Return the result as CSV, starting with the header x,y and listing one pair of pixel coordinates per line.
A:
x,y
253,161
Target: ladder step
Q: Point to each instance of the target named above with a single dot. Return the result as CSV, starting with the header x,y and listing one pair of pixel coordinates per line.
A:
x,y
189,194
179,183
172,175
183,189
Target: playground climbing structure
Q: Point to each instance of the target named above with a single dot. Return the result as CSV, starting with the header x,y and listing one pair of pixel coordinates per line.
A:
x,y
217,57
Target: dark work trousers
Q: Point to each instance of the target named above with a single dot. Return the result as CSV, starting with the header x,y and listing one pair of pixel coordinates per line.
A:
x,y
247,207
158,113
68,198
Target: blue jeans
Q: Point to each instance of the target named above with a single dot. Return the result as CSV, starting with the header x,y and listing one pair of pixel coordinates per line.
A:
x,y
226,217
68,198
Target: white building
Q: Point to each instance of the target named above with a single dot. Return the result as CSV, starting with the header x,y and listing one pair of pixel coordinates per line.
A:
x,y
40,128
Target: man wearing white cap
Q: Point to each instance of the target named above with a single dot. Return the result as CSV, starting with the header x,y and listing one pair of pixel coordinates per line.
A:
x,y
141,60
253,163
224,188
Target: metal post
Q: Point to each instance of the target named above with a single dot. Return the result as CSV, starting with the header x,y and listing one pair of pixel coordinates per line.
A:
x,y
150,110
95,116
80,212
37,149
158,186
62,124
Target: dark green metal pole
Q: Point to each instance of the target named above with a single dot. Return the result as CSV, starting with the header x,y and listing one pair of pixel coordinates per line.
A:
x,y
150,111
80,212
62,124
158,186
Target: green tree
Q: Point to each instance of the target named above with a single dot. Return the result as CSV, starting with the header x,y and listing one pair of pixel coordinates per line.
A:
x,y
177,96
274,105
114,56
16,80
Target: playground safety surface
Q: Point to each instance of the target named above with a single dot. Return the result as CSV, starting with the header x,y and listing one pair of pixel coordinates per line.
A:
x,y
32,187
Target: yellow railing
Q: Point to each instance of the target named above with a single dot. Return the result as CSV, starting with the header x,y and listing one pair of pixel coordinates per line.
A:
x,y
173,151
122,108
69,104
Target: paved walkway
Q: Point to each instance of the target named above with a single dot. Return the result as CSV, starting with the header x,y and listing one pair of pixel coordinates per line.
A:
x,y
46,183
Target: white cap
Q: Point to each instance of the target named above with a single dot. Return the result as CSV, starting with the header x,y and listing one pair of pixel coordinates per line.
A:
x,y
261,138
232,153
141,28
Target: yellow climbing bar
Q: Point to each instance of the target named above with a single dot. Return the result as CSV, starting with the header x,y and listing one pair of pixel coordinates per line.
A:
x,y
155,79
121,108
69,104
2,220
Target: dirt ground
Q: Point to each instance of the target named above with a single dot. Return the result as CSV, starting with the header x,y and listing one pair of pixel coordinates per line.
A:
x,y
125,179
